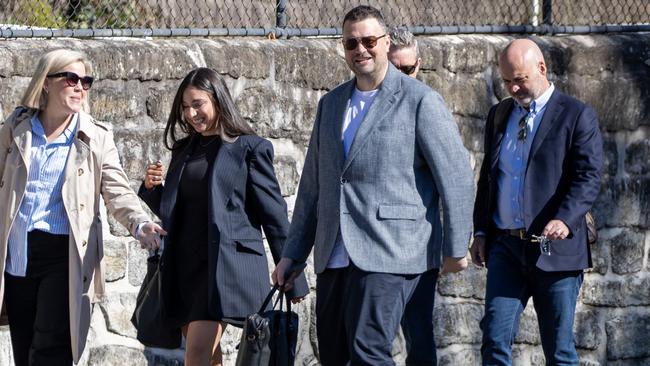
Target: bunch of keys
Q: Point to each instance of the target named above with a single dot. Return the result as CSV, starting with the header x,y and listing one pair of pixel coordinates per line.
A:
x,y
544,243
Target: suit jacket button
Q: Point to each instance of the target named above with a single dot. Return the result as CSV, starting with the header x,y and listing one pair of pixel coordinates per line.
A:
x,y
85,279
343,180
9,150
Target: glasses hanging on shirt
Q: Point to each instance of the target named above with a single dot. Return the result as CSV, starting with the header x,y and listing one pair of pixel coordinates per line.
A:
x,y
523,128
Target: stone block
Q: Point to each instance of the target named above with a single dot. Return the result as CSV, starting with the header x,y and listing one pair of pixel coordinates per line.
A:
x,y
287,173
467,55
588,329
617,108
312,64
469,283
624,202
117,309
114,259
457,89
620,292
636,157
139,59
621,330
250,59
610,154
137,148
159,100
6,354
137,266
471,132
430,50
13,89
457,323
528,332
528,355
627,251
116,100
114,355
116,228
600,254
463,356
279,113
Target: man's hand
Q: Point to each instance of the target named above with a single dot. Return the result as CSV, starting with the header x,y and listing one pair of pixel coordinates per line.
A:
x,y
477,251
280,270
149,235
556,230
453,265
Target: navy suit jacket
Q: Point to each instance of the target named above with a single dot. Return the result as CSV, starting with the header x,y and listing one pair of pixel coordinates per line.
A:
x,y
562,177
244,197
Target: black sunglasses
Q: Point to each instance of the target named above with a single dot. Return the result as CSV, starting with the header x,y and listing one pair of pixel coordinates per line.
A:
x,y
367,42
408,69
71,79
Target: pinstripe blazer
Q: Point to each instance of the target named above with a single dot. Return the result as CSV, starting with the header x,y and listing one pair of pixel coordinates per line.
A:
x,y
244,198
406,158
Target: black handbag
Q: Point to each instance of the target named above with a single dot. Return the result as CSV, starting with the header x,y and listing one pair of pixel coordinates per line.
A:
x,y
153,329
269,337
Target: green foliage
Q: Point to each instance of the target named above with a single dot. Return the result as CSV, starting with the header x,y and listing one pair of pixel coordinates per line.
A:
x,y
37,13
108,14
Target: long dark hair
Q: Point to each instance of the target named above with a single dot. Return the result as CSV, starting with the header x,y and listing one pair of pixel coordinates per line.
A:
x,y
230,124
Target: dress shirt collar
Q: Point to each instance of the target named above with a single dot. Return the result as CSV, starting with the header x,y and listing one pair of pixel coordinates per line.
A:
x,y
538,104
65,138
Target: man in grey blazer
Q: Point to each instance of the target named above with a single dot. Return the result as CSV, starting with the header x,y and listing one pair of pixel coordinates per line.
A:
x,y
383,154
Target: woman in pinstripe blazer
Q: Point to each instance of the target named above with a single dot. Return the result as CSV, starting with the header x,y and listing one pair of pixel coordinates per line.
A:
x,y
218,194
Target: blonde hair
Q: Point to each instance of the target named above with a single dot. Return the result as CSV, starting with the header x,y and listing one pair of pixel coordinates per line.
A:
x,y
50,63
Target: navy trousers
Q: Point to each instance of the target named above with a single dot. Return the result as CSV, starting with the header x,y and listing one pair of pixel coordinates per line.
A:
x,y
417,322
358,314
512,279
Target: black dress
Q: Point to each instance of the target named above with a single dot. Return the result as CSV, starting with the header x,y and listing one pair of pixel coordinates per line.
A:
x,y
189,248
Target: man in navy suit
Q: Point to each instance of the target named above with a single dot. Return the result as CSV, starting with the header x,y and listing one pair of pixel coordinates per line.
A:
x,y
540,176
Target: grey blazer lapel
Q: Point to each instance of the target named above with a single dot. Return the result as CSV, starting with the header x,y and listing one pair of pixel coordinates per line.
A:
x,y
553,111
339,109
383,102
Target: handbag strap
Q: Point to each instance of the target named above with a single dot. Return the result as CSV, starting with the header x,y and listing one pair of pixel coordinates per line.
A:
x,y
280,299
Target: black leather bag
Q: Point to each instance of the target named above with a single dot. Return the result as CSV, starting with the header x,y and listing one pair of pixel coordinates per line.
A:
x,y
269,337
153,329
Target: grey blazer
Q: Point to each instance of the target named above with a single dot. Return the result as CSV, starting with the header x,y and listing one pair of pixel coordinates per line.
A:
x,y
406,158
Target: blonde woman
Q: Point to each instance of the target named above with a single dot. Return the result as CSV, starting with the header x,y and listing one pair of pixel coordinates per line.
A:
x,y
55,163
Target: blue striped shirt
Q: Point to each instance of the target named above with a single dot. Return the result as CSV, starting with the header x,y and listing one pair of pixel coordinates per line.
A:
x,y
42,205
513,160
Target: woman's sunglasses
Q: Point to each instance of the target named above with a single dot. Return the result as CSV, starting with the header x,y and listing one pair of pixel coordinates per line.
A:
x,y
71,79
367,42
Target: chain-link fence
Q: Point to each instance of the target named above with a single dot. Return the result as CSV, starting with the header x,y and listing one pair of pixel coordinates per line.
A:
x,y
313,17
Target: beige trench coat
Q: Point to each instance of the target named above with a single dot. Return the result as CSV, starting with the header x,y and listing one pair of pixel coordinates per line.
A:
x,y
93,169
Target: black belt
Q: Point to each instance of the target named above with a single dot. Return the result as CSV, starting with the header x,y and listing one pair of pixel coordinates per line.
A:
x,y
517,233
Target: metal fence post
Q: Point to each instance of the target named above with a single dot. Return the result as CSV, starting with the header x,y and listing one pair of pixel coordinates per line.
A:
x,y
280,14
547,12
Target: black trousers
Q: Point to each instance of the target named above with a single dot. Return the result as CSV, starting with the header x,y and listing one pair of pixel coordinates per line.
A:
x,y
358,314
37,304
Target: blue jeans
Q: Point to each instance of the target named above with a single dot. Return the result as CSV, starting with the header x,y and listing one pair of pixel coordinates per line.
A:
x,y
511,280
417,322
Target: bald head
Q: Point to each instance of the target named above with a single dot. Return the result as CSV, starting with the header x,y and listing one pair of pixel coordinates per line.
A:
x,y
523,71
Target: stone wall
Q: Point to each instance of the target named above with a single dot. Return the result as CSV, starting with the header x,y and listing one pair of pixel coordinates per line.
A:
x,y
276,85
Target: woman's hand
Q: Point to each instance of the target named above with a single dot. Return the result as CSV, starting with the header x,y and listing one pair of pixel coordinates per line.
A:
x,y
154,175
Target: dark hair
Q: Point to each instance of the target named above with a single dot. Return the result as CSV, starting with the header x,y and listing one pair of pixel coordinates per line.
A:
x,y
363,12
230,123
